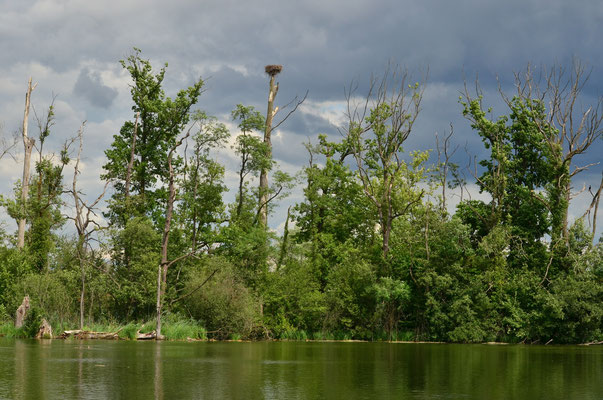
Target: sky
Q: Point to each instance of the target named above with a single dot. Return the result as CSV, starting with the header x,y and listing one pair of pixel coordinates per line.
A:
x,y
72,49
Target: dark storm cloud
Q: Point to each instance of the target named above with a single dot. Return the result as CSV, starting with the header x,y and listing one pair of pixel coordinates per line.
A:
x,y
89,85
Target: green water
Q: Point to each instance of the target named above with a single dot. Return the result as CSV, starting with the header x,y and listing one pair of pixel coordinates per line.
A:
x,y
289,370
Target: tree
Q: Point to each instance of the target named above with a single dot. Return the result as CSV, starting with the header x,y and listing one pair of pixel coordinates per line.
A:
x,y
254,154
335,211
83,219
376,132
42,207
568,127
201,207
264,190
272,71
28,144
520,166
159,120
164,264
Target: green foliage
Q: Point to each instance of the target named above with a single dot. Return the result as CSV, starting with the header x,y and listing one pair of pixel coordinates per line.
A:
x,y
135,258
293,301
223,304
350,303
32,322
161,119
391,296
54,294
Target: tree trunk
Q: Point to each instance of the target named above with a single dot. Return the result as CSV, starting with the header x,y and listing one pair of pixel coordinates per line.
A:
x,y
28,144
131,161
164,264
22,312
263,195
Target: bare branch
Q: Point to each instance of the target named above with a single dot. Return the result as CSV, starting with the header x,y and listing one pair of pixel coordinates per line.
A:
x,y
297,104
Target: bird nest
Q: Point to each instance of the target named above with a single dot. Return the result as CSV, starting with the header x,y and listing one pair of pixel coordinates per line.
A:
x,y
273,69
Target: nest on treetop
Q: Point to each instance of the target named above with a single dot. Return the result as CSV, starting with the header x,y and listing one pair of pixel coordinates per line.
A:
x,y
273,69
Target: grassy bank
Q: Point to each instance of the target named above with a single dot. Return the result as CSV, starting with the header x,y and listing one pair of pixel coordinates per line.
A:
x,y
172,329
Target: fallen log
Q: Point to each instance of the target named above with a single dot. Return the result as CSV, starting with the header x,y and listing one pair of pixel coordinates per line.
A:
x,y
595,343
146,336
83,335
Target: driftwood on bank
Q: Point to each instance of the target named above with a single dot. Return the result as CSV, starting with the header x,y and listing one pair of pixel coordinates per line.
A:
x,y
146,336
596,343
22,312
85,335
82,334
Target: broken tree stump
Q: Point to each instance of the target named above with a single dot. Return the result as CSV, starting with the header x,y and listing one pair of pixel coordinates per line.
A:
x,y
22,312
45,331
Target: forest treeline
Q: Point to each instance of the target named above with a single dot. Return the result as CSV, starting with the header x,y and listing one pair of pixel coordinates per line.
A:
x,y
371,252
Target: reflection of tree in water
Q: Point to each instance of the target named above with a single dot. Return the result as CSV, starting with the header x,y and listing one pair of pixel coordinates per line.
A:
x,y
158,379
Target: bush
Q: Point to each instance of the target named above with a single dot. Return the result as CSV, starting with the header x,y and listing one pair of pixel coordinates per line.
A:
x,y
32,322
52,293
224,305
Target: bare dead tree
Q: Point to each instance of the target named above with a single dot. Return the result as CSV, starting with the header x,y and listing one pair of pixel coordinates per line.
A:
x,y
272,71
28,144
596,198
83,220
444,156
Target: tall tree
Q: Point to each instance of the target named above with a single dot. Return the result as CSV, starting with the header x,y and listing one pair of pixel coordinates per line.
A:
x,y
264,196
520,166
254,154
575,127
28,144
376,132
84,222
159,120
272,71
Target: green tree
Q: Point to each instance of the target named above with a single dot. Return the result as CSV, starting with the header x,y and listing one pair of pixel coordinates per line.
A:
x,y
334,211
161,120
518,175
376,133
254,153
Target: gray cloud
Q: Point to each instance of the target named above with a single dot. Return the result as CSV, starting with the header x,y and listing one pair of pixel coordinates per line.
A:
x,y
89,85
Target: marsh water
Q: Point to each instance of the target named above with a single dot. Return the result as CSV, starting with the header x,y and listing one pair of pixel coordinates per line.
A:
x,y
295,370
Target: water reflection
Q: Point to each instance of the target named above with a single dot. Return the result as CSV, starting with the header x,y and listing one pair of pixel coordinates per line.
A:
x,y
268,370
158,381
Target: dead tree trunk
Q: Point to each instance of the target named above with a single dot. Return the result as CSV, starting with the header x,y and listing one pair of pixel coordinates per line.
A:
x,y
271,70
22,312
82,220
28,144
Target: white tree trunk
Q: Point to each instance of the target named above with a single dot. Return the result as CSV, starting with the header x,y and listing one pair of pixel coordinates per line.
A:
x,y
28,144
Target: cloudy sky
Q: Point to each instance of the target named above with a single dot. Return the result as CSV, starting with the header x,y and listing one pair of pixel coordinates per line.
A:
x,y
72,49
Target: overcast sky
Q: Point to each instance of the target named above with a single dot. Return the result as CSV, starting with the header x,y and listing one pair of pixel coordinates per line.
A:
x,y
72,49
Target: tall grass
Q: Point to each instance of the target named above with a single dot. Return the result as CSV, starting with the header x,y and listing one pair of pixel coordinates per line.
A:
x,y
8,330
184,329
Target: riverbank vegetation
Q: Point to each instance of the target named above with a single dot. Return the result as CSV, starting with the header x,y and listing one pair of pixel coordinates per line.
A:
x,y
372,251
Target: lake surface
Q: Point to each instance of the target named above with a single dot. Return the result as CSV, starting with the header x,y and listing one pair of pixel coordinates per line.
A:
x,y
290,370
